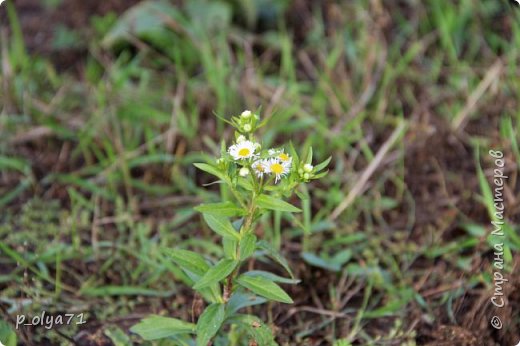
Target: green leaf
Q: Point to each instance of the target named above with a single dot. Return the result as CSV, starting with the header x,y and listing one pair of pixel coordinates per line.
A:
x,y
271,252
272,203
188,260
256,329
220,271
159,327
247,246
221,226
230,247
333,264
264,288
221,209
322,165
240,300
111,290
7,335
209,323
211,170
272,277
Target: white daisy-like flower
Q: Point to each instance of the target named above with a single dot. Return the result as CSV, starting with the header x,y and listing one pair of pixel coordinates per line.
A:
x,y
260,168
278,168
283,157
242,150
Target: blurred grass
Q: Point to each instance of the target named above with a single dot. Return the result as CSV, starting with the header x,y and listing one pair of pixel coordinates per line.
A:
x,y
97,175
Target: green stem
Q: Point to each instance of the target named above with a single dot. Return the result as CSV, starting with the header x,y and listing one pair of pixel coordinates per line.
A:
x,y
245,229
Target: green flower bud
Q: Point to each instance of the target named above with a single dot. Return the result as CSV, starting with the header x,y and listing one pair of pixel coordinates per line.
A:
x,y
244,171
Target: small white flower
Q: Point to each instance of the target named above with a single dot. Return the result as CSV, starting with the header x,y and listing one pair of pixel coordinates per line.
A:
x,y
246,114
244,171
247,128
283,157
240,139
242,150
308,167
278,168
260,168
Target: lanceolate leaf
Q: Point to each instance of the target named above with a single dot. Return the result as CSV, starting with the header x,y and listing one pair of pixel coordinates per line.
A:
x,y
188,260
230,247
158,327
247,246
322,165
272,277
220,271
226,209
264,288
240,300
271,252
211,170
209,323
221,226
273,203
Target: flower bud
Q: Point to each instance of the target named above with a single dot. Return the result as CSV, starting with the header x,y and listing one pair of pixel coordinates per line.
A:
x,y
240,139
247,128
306,176
308,167
246,114
244,171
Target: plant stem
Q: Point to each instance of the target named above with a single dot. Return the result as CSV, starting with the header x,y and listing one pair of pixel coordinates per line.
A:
x,y
245,229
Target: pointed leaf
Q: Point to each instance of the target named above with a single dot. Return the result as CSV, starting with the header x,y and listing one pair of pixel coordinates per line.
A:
x,y
247,246
221,226
211,170
220,209
272,203
219,272
159,327
240,300
264,288
188,260
230,247
272,277
209,323
322,165
271,252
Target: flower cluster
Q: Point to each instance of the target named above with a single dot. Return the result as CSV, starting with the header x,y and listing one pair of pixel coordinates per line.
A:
x,y
266,166
247,153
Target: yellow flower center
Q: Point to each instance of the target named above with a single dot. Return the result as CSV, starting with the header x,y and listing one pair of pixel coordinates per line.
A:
x,y
260,168
277,168
284,157
244,152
